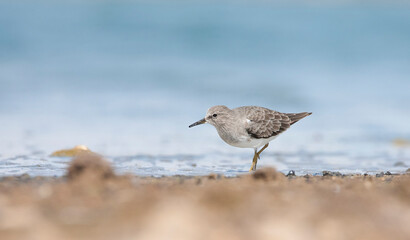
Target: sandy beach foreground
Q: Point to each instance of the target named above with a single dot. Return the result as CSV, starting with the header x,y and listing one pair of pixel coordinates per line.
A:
x,y
91,202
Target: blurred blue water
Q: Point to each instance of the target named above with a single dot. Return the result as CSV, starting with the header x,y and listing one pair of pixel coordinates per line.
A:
x,y
126,79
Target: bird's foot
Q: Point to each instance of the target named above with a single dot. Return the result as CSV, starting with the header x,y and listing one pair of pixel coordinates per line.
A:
x,y
254,162
253,168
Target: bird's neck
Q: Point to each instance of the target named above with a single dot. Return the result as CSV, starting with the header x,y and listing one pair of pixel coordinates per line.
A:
x,y
226,131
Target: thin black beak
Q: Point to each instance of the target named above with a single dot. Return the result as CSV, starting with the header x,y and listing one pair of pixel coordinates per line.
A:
x,y
202,121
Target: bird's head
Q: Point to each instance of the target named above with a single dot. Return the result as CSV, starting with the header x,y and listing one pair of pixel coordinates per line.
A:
x,y
216,115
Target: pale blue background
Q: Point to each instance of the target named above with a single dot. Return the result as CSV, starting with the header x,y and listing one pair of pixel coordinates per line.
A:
x,y
127,78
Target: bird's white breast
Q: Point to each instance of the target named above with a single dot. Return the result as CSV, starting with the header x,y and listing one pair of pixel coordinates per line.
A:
x,y
237,136
248,142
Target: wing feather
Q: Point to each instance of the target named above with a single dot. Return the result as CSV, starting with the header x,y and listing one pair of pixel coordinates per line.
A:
x,y
266,123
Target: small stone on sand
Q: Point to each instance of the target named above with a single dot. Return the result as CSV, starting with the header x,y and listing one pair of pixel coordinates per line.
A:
x,y
71,152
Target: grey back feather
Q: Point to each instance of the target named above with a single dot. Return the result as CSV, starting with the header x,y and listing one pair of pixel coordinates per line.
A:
x,y
266,123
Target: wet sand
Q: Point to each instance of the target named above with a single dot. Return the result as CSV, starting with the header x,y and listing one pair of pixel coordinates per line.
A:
x,y
91,202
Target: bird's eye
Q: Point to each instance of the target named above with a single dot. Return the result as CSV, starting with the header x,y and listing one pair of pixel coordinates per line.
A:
x,y
215,115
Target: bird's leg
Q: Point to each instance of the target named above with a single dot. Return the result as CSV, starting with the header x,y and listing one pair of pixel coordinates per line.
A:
x,y
264,147
254,161
256,157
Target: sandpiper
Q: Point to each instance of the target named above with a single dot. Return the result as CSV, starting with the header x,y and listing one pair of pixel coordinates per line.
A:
x,y
249,126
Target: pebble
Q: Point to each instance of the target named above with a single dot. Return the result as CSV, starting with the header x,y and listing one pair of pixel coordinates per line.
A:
x,y
291,173
213,176
381,174
332,174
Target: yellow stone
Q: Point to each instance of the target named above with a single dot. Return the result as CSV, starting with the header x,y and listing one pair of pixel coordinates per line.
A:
x,y
71,152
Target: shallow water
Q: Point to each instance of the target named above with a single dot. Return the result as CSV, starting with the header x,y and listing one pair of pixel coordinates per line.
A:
x,y
126,79
228,164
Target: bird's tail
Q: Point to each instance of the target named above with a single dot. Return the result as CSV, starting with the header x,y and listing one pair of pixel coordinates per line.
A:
x,y
294,117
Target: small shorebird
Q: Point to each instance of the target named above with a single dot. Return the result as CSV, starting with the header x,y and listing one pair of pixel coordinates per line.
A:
x,y
250,126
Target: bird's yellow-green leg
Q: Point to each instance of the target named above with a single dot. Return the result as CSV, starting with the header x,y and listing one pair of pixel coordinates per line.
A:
x,y
264,147
254,161
256,157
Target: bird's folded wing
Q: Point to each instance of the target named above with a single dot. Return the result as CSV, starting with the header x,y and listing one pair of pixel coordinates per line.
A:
x,y
266,123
